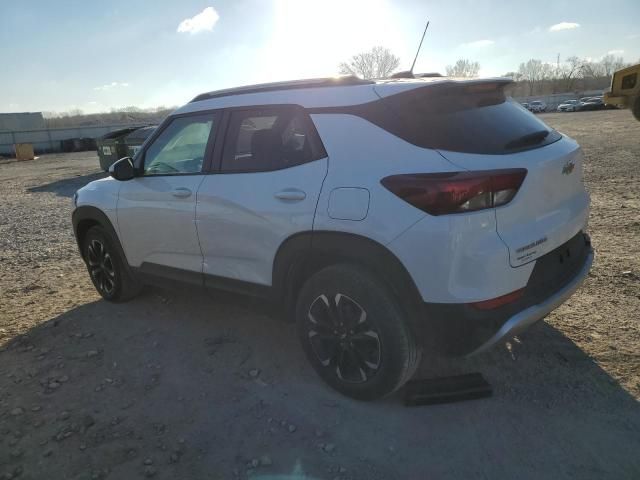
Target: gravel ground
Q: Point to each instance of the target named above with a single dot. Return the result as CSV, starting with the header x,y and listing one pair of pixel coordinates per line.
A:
x,y
186,384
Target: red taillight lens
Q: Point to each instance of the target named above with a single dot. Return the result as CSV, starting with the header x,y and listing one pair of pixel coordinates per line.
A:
x,y
456,192
499,301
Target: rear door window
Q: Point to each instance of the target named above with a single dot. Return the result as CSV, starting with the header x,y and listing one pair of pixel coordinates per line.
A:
x,y
269,139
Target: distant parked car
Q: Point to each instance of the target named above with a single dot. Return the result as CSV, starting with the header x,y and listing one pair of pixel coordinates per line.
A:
x,y
593,103
537,106
569,106
526,105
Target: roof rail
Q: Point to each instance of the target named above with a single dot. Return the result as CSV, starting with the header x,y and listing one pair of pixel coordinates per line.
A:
x,y
289,85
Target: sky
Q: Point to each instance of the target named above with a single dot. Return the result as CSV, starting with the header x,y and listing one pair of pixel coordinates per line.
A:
x,y
89,55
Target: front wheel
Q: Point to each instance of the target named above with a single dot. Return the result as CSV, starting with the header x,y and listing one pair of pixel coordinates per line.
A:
x,y
355,334
107,268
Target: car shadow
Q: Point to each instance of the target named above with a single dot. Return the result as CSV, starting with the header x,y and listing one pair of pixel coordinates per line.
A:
x,y
191,384
68,186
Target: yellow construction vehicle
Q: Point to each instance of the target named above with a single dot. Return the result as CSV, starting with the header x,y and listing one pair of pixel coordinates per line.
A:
x,y
625,90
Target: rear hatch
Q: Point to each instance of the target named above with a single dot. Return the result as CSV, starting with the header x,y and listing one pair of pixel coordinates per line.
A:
x,y
476,127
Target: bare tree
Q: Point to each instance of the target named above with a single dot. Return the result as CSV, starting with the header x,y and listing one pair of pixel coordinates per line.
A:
x,y
610,64
592,69
534,72
463,68
378,62
568,72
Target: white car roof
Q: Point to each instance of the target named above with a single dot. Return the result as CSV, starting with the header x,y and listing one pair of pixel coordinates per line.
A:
x,y
312,93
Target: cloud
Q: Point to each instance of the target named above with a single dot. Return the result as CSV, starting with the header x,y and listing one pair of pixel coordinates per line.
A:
x,y
479,44
563,26
111,85
203,21
615,52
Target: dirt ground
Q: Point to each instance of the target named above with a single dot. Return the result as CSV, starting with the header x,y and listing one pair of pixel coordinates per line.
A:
x,y
199,385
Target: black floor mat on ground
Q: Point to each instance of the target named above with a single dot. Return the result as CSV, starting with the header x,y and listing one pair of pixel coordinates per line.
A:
x,y
432,391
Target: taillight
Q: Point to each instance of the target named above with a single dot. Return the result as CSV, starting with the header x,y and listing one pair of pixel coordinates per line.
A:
x,y
457,192
499,301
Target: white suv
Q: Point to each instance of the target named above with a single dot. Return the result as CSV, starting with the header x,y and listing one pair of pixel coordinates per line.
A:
x,y
386,217
537,106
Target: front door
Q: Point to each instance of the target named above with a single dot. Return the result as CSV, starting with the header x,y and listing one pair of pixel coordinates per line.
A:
x,y
156,210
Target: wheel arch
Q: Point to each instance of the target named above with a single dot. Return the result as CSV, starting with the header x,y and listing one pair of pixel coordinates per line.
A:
x,y
85,217
304,254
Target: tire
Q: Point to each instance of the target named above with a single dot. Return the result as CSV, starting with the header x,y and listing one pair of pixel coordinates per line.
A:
x,y
635,107
106,266
355,334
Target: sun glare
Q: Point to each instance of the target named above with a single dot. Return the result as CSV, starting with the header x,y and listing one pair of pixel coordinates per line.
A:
x,y
311,38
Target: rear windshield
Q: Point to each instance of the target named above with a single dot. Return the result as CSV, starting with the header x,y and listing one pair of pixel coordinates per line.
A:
x,y
473,119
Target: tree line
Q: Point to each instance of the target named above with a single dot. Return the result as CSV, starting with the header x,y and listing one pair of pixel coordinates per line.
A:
x,y
533,77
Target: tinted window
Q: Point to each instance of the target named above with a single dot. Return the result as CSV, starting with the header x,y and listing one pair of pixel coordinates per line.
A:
x,y
472,119
629,81
269,139
181,146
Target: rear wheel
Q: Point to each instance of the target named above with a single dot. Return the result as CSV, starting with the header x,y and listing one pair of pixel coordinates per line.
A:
x,y
107,268
354,333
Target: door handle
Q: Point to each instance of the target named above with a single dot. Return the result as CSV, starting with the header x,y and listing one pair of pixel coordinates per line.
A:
x,y
181,192
291,195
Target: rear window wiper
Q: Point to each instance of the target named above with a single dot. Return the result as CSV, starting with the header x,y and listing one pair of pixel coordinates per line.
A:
x,y
528,139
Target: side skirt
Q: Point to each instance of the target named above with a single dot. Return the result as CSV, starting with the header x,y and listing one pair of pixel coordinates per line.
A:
x,y
164,276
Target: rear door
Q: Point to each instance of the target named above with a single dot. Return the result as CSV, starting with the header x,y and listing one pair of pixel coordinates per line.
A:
x,y
264,189
156,210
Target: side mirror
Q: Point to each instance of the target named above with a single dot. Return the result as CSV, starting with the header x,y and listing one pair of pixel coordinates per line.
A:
x,y
123,169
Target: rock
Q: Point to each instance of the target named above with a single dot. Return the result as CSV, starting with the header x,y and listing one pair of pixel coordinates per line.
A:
x,y
149,471
63,379
265,460
92,353
342,470
329,447
148,461
83,446
53,385
174,458
47,452
292,428
254,462
64,415
87,422
254,372
17,411
16,453
36,408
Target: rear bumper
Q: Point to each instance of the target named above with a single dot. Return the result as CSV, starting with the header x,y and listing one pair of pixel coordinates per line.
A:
x,y
524,319
462,329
